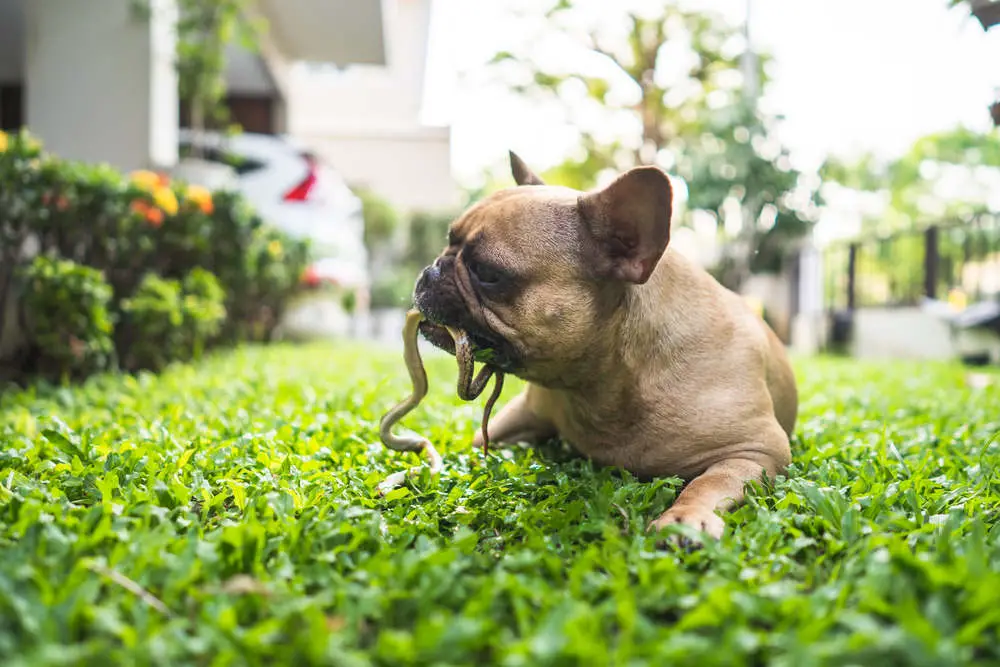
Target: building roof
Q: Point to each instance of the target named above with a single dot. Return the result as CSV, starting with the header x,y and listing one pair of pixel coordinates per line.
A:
x,y
331,31
986,11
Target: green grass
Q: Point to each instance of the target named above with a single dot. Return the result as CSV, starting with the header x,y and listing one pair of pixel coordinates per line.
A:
x,y
226,515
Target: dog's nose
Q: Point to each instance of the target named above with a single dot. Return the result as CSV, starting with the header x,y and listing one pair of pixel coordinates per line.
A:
x,y
428,277
432,272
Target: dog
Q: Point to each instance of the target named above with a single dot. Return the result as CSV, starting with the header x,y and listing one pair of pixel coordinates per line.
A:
x,y
632,354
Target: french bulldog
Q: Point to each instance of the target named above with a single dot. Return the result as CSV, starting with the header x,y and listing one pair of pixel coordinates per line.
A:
x,y
632,354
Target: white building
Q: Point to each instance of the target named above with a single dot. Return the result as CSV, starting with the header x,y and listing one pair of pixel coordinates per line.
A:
x,y
96,82
366,119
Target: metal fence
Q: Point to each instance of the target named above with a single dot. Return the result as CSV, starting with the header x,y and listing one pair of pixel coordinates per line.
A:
x,y
903,268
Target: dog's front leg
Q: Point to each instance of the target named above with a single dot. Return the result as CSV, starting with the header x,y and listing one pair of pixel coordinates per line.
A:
x,y
517,422
718,489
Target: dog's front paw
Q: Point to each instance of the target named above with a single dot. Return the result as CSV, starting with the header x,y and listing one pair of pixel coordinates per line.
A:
x,y
701,519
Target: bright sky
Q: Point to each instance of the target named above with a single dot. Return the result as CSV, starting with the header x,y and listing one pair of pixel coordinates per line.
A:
x,y
849,75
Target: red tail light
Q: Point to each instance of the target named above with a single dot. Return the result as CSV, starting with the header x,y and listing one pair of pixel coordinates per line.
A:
x,y
302,191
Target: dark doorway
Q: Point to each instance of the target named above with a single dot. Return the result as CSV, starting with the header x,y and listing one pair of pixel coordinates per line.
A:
x,y
11,107
251,112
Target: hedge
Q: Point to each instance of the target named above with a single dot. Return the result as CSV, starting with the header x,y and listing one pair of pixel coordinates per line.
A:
x,y
130,271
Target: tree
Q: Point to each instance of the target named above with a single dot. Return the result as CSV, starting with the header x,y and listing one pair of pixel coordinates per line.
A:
x,y
944,178
205,30
399,246
950,175
671,79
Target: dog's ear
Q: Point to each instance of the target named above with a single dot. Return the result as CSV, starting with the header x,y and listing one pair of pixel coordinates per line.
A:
x,y
522,175
629,223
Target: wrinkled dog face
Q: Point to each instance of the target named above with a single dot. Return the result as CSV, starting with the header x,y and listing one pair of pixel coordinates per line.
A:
x,y
530,270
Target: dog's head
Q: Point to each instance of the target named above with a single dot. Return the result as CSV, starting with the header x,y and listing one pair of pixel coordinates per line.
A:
x,y
530,271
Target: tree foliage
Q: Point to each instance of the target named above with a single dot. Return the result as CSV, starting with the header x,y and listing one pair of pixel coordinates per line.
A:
x,y
948,179
944,176
205,31
670,79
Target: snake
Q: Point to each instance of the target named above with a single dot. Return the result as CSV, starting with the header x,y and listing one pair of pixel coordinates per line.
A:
x,y
470,386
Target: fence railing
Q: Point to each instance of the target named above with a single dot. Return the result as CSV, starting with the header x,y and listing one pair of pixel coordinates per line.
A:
x,y
951,259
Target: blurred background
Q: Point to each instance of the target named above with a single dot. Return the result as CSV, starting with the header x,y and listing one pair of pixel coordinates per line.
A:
x,y
177,173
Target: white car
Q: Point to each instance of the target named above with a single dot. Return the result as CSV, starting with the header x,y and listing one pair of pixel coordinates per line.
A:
x,y
296,192
301,195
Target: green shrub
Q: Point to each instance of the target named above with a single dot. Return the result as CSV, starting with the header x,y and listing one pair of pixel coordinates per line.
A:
x,y
67,307
204,308
427,236
19,203
20,195
169,320
393,288
128,227
381,219
349,302
154,318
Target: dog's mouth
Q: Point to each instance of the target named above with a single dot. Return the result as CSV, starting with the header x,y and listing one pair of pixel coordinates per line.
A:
x,y
438,336
485,348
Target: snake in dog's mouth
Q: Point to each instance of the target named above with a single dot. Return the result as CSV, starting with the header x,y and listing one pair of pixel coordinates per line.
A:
x,y
470,386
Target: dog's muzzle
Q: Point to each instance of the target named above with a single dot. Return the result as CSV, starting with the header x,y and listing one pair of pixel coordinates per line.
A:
x,y
436,295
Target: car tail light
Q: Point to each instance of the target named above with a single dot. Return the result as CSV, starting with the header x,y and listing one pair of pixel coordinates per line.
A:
x,y
302,191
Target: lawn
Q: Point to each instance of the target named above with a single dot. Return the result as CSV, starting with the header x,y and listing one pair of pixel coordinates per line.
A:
x,y
226,514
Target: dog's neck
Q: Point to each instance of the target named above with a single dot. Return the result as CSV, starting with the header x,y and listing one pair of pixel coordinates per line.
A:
x,y
661,314
635,319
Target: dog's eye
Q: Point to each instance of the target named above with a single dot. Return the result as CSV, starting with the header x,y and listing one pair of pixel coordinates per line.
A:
x,y
485,274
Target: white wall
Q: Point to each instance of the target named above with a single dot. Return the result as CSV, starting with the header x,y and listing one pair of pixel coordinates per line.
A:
x,y
335,31
410,169
912,333
366,120
900,333
365,96
101,85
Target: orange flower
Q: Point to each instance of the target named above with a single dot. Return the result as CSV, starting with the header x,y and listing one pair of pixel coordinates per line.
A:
x,y
200,197
153,215
62,203
4,141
